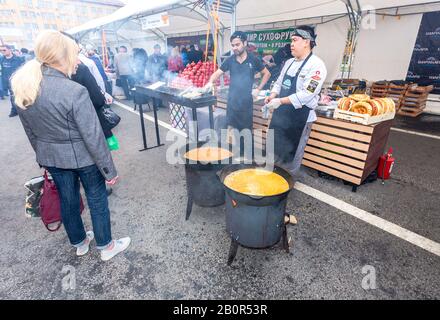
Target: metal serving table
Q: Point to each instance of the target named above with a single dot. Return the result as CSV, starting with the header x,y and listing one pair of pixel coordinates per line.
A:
x,y
171,96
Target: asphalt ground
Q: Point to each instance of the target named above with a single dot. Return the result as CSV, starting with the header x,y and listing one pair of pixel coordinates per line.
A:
x,y
331,255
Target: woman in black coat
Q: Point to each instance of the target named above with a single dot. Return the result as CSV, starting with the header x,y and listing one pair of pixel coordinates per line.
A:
x,y
84,77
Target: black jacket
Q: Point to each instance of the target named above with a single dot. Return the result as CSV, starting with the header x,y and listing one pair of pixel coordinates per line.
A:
x,y
85,78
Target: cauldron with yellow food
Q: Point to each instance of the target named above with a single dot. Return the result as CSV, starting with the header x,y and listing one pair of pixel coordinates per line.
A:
x,y
256,201
202,162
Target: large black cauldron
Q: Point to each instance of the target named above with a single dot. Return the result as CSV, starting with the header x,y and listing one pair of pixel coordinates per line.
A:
x,y
255,222
202,183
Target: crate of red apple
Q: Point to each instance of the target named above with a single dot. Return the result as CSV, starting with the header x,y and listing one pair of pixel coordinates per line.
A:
x,y
197,75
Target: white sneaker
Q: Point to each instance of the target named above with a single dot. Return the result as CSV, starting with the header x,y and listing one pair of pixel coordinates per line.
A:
x,y
118,246
81,251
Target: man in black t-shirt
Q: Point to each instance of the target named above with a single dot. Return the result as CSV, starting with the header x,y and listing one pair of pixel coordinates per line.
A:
x,y
242,67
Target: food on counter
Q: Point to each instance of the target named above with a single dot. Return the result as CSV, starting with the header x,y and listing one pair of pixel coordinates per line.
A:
x,y
359,97
345,103
377,107
362,107
208,154
363,104
192,95
388,104
257,182
197,75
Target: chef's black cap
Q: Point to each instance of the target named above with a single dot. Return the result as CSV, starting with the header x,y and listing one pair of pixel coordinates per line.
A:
x,y
240,35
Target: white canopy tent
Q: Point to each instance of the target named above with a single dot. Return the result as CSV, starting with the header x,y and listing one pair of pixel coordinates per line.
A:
x,y
249,12
387,45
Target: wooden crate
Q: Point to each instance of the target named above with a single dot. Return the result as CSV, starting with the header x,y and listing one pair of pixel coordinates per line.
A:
x,y
362,118
346,150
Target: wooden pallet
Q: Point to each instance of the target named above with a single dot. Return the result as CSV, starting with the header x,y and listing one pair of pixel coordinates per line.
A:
x,y
346,150
414,101
397,93
379,89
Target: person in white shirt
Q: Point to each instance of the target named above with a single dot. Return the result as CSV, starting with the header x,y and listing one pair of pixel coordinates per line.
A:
x,y
294,97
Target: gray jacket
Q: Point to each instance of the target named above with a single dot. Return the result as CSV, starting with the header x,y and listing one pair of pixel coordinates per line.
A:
x,y
123,64
63,127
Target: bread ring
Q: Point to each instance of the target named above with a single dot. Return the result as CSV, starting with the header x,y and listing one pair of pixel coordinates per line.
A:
x,y
362,107
382,105
359,97
345,103
377,107
387,104
390,104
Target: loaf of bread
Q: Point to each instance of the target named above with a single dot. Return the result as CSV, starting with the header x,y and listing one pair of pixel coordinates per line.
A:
x,y
359,97
377,107
362,107
345,103
363,104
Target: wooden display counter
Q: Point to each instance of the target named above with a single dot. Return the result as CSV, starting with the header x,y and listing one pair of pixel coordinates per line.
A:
x,y
339,148
346,150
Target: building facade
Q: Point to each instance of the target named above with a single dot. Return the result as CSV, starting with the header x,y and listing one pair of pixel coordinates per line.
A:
x,y
22,20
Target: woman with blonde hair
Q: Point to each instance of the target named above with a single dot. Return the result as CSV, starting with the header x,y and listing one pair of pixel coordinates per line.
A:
x,y
64,131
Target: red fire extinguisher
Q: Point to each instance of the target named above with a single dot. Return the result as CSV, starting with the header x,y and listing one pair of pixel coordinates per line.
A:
x,y
386,164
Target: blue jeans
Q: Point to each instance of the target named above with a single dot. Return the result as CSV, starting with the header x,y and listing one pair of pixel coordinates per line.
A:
x,y
67,182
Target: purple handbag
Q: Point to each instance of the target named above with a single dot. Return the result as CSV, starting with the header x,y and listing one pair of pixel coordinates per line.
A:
x,y
50,207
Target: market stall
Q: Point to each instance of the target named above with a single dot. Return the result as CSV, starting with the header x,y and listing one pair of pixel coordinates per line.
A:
x,y
346,141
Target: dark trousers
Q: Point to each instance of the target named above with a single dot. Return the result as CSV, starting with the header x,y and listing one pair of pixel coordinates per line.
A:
x,y
126,82
13,105
11,95
68,184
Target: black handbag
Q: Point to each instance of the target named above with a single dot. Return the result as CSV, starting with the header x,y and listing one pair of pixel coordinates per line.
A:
x,y
110,118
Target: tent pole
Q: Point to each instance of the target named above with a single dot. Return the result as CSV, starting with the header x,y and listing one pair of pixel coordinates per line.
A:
x,y
234,18
352,37
212,24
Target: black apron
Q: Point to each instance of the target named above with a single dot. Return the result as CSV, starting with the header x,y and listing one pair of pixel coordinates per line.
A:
x,y
240,110
287,122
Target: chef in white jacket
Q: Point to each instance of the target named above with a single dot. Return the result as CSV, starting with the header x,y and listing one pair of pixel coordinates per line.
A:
x,y
294,97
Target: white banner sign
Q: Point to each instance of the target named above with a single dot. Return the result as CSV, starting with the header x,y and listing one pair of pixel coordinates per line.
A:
x,y
156,21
